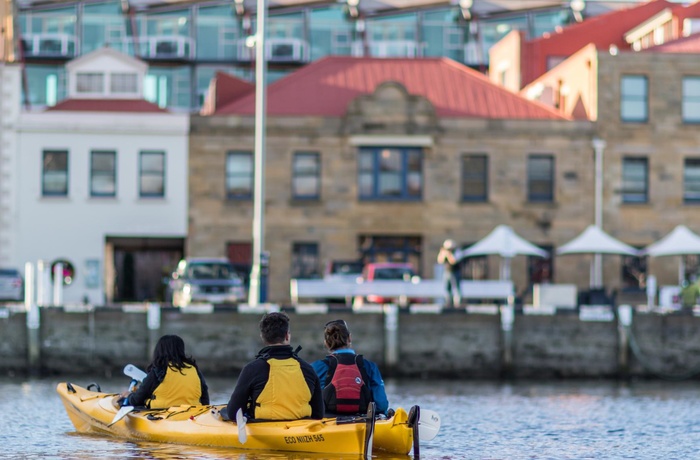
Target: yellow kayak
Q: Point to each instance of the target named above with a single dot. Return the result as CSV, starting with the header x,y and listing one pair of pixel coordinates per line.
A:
x,y
94,412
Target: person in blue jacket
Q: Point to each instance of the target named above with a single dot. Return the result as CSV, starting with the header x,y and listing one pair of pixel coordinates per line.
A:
x,y
349,381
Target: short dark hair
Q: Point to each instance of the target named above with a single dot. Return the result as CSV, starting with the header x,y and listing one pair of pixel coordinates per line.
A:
x,y
274,327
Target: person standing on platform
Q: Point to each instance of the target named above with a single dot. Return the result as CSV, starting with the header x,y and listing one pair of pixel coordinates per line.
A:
x,y
446,257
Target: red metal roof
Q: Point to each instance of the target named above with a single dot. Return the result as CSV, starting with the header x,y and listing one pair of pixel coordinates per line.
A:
x,y
603,31
224,89
689,44
107,105
326,87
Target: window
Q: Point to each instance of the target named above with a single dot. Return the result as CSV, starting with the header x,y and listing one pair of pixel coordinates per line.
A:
x,y
103,173
634,273
541,269
152,174
475,178
691,99
54,179
239,175
306,176
634,94
380,248
540,178
90,82
123,83
390,173
691,180
305,261
635,183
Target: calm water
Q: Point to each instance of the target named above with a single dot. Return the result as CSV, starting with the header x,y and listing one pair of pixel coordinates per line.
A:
x,y
480,420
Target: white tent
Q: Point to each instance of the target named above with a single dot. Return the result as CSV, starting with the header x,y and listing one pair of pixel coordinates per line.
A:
x,y
593,240
505,242
679,242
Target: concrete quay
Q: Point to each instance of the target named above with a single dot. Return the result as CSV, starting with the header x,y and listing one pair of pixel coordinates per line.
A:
x,y
486,342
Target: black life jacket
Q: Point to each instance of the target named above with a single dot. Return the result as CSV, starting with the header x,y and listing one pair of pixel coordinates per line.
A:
x,y
347,384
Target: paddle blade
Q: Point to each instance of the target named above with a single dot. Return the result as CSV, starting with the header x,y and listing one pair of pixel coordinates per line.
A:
x,y
428,425
369,430
240,422
134,372
121,414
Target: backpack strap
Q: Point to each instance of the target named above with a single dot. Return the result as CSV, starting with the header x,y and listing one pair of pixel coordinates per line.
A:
x,y
332,363
359,360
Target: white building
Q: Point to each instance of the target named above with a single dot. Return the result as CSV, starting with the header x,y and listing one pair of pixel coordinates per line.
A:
x,y
101,183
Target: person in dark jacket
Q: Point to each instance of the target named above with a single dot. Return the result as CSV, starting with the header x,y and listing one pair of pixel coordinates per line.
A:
x,y
339,395
277,385
172,379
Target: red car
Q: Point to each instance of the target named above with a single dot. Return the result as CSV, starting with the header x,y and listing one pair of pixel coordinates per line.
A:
x,y
381,271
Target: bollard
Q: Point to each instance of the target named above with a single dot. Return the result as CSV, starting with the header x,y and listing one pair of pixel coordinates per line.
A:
x,y
57,285
153,322
507,320
33,321
624,327
41,287
391,336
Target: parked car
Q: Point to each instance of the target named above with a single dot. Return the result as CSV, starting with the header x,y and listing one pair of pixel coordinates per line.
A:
x,y
382,271
210,280
343,271
11,284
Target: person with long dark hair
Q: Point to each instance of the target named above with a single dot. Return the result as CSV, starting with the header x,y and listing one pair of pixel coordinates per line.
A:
x,y
172,379
349,381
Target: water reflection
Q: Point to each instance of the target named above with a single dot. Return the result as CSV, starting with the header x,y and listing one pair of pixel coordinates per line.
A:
x,y
480,420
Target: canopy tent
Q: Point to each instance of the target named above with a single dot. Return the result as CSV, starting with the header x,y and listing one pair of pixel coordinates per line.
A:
x,y
503,241
593,240
679,242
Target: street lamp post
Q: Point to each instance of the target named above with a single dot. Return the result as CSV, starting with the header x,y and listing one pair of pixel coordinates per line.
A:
x,y
254,293
598,146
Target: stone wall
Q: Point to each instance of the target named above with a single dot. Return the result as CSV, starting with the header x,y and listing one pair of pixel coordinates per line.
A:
x,y
449,345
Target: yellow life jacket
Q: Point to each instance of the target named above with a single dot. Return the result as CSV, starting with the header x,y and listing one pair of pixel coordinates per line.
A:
x,y
176,389
286,395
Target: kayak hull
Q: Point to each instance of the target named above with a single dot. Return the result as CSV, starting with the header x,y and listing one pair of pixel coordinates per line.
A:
x,y
92,412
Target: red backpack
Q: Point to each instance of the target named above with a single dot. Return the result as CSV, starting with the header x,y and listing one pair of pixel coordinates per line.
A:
x,y
347,390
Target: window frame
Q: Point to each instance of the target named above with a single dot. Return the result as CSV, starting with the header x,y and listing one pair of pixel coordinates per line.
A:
x,y
143,173
687,100
476,178
688,197
540,197
230,175
377,178
627,195
313,173
63,172
632,98
103,173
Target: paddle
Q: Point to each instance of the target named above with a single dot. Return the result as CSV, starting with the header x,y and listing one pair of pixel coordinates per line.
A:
x,y
240,423
134,372
137,376
369,430
121,413
428,424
